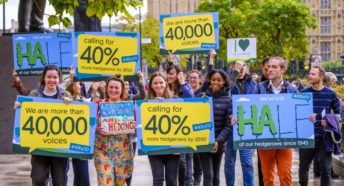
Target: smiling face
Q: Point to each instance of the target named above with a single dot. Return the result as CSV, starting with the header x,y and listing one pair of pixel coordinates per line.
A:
x,y
114,90
216,82
158,85
51,79
172,76
126,86
77,88
194,79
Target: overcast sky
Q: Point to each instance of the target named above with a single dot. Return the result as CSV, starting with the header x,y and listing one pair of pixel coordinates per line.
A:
x,y
11,12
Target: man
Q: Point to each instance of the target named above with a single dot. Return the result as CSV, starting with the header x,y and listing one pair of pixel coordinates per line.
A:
x,y
269,158
324,100
243,85
264,67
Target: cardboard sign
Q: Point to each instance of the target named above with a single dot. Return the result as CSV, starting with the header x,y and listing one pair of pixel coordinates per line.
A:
x,y
99,55
175,126
117,118
189,33
244,49
273,121
51,127
32,52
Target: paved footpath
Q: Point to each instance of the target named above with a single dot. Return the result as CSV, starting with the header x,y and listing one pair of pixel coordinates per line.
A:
x,y
15,170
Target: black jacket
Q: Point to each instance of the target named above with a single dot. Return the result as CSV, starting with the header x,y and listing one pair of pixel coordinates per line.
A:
x,y
222,109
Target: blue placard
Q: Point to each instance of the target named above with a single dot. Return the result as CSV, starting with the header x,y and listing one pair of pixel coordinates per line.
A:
x,y
273,121
107,54
188,31
175,126
50,127
32,52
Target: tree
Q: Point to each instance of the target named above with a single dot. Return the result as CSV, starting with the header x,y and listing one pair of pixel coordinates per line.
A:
x,y
150,29
95,8
281,26
278,25
234,18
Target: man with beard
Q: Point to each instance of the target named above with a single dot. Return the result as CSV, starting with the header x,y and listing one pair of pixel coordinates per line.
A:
x,y
324,99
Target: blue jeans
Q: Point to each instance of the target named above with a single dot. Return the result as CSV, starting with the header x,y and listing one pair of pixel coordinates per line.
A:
x,y
80,170
185,170
197,169
324,159
246,164
164,167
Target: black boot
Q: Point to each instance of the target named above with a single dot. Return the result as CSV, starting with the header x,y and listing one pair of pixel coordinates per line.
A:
x,y
24,15
37,13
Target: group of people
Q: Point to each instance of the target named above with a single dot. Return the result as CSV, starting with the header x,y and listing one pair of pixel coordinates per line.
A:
x,y
114,154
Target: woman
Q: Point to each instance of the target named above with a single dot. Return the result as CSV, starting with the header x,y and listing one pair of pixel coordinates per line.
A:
x,y
222,108
42,164
195,80
163,166
130,97
113,154
80,167
180,88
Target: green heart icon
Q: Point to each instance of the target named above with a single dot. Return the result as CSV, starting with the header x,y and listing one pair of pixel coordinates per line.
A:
x,y
244,43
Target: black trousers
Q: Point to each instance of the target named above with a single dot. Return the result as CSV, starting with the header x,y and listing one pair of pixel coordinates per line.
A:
x,y
211,163
41,166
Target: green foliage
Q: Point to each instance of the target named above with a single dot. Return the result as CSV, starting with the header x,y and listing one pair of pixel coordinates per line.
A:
x,y
150,29
95,8
278,25
3,1
332,65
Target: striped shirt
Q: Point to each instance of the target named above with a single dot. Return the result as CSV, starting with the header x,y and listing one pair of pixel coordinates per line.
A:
x,y
324,99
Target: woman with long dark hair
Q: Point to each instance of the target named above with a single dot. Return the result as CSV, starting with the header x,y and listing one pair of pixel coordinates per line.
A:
x,y
41,165
164,167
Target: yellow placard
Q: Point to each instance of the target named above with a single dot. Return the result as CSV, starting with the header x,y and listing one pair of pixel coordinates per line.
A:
x,y
173,124
45,126
188,31
107,54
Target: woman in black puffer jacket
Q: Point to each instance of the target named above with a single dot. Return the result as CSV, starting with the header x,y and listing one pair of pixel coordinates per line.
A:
x,y
222,109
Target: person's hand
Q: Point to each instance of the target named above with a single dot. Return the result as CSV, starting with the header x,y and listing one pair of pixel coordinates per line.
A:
x,y
16,104
233,120
15,75
95,87
140,75
176,153
181,78
100,130
212,55
238,66
102,85
66,100
216,147
169,57
323,123
312,118
71,72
